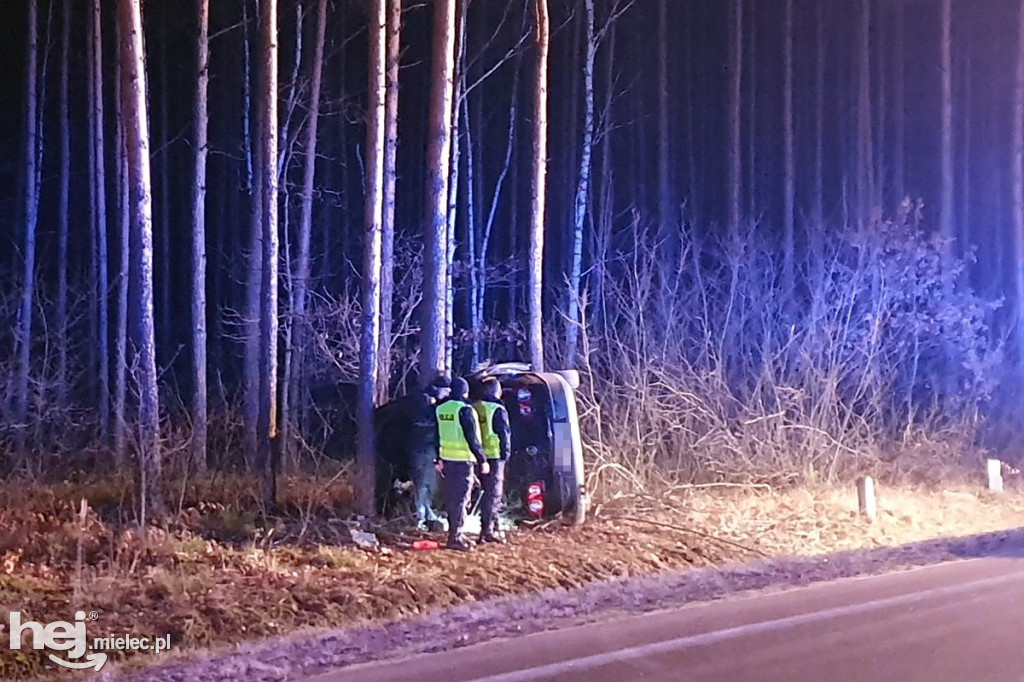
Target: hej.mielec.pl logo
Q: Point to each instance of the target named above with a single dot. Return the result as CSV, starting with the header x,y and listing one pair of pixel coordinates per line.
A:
x,y
72,638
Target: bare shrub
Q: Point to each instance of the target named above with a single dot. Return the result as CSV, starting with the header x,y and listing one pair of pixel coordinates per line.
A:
x,y
878,361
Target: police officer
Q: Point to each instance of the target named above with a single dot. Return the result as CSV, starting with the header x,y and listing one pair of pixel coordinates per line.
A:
x,y
496,435
459,448
422,454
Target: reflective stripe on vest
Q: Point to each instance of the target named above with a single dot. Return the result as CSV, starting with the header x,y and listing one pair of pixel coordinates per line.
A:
x,y
454,447
485,411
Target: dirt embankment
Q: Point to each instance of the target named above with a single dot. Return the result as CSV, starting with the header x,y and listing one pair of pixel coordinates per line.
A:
x,y
211,594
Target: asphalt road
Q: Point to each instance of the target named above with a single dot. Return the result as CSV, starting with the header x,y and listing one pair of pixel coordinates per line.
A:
x,y
960,621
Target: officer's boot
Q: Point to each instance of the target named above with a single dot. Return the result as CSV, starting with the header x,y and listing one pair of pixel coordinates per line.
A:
x,y
491,534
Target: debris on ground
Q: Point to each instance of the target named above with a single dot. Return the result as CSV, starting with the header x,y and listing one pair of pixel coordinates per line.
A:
x,y
210,588
364,540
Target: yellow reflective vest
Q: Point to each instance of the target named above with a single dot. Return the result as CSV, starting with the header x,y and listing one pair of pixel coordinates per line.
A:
x,y
453,445
485,410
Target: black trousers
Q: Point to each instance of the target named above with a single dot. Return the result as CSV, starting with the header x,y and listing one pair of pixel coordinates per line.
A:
x,y
458,484
493,485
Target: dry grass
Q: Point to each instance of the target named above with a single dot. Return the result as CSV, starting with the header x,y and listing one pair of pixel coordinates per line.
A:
x,y
214,576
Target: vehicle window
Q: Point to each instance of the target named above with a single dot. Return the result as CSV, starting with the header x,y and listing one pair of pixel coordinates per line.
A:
x,y
559,411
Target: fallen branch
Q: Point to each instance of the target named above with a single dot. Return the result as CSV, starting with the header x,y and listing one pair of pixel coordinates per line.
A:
x,y
700,486
692,531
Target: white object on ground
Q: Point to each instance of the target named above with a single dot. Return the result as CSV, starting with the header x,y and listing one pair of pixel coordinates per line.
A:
x,y
995,475
364,540
866,497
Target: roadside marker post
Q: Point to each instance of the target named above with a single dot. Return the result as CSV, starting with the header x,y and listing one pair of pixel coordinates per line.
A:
x,y
866,497
995,475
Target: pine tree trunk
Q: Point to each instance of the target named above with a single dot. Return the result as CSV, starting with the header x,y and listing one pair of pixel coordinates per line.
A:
x,y
881,108
344,225
819,120
472,223
136,123
302,270
165,330
946,222
750,178
124,230
369,346
94,249
865,165
31,217
63,219
103,332
694,204
458,82
254,271
535,286
267,431
899,115
387,276
432,339
666,203
964,235
605,222
735,79
789,200
583,188
200,148
1018,187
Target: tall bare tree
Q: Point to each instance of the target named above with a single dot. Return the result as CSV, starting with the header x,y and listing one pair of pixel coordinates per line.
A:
x,y
535,286
251,125
123,277
387,277
63,216
966,120
31,217
946,222
605,220
751,58
789,199
583,186
865,165
735,80
136,124
267,431
165,328
368,348
668,231
432,338
302,268
899,114
100,224
201,116
1018,187
819,118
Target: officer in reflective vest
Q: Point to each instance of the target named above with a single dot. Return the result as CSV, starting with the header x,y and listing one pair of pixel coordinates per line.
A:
x,y
496,434
459,449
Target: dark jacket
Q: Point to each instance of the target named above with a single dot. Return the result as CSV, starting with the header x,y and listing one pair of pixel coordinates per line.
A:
x,y
423,434
470,429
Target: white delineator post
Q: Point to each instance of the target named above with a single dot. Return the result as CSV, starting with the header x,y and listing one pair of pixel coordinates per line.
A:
x,y
995,475
866,496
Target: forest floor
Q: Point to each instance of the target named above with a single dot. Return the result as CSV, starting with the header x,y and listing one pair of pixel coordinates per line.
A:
x,y
211,577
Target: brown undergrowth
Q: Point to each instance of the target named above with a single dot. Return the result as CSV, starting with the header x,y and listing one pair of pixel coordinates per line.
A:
x,y
214,575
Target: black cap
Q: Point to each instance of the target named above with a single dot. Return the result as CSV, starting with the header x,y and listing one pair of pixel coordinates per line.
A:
x,y
460,388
